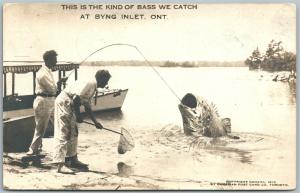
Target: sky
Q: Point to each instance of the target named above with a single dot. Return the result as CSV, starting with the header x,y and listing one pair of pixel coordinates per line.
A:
x,y
207,32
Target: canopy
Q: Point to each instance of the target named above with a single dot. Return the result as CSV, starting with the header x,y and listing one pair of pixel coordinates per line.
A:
x,y
35,68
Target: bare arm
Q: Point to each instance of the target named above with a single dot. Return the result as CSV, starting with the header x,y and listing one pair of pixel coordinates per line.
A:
x,y
89,111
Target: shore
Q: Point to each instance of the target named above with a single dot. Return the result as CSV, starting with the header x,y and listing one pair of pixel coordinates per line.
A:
x,y
163,159
108,170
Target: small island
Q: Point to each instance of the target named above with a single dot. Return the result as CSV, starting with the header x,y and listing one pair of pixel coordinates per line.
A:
x,y
274,59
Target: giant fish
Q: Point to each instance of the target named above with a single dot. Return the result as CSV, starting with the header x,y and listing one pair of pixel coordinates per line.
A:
x,y
201,117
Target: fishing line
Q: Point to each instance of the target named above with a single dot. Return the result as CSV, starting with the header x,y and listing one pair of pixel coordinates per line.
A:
x,y
158,74
133,46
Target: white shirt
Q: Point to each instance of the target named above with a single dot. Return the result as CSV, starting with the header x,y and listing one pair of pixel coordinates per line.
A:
x,y
45,82
84,89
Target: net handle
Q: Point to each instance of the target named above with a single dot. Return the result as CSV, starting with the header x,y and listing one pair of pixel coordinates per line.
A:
x,y
103,128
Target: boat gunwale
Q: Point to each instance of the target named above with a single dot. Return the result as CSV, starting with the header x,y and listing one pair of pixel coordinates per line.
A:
x,y
110,93
18,118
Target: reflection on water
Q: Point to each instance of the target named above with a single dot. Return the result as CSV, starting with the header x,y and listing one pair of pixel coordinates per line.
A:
x,y
292,87
225,152
124,169
218,147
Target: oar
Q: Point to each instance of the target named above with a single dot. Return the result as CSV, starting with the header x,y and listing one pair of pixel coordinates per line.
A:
x,y
103,128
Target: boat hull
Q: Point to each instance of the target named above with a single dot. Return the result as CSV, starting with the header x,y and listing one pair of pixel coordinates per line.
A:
x,y
18,133
110,100
19,125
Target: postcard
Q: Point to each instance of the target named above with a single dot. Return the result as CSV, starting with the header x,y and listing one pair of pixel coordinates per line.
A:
x,y
149,96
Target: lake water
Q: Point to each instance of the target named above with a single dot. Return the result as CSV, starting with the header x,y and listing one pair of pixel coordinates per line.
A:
x,y
256,105
253,103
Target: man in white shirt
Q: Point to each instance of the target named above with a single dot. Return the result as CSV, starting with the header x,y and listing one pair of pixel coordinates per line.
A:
x,y
67,115
43,105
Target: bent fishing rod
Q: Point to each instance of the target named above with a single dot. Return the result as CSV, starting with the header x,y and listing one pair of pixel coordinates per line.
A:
x,y
102,48
145,59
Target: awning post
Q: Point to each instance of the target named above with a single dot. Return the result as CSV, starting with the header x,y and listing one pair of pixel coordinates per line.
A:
x,y
13,84
4,76
76,75
64,74
34,86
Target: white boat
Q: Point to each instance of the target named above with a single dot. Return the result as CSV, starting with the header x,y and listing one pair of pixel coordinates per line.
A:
x,y
111,99
18,115
18,125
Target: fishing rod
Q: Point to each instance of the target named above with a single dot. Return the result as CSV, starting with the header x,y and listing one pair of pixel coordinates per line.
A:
x,y
136,48
110,45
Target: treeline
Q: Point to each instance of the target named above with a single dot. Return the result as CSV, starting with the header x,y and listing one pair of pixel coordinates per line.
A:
x,y
274,59
188,64
185,64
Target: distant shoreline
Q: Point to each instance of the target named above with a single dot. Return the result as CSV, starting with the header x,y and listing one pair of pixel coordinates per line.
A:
x,y
132,63
184,64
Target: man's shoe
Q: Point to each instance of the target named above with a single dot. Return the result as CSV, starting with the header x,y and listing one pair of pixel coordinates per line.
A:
x,y
32,153
64,170
73,162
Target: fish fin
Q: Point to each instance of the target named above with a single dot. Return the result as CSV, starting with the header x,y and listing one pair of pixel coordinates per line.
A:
x,y
215,109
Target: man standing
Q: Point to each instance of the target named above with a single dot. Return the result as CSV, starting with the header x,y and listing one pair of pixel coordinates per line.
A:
x,y
67,115
43,105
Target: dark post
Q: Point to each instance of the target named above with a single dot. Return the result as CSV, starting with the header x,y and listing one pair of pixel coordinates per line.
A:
x,y
13,84
64,74
4,76
34,76
59,74
76,75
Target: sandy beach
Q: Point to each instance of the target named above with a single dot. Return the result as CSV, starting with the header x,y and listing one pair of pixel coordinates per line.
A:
x,y
108,170
161,160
